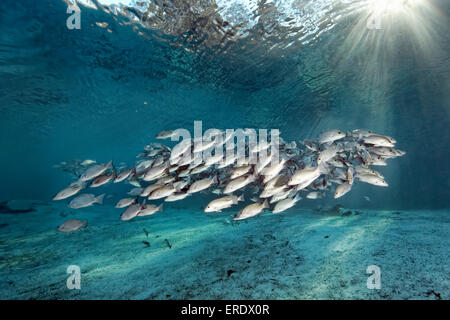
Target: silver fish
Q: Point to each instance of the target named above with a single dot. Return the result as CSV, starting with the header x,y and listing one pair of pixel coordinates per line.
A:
x,y
314,195
180,149
72,225
155,172
331,136
162,192
238,183
149,189
101,180
202,184
326,155
281,196
372,179
165,134
125,202
87,162
179,185
285,204
95,171
176,197
123,175
379,140
240,171
86,200
305,175
342,189
71,190
132,211
218,205
251,210
149,210
135,192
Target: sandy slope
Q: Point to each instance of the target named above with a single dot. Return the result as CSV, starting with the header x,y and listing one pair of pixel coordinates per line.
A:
x,y
296,255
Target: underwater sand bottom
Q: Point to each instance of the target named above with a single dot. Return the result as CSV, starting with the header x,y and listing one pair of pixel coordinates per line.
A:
x,y
299,254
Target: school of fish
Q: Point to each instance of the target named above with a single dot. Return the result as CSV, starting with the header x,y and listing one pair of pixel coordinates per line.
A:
x,y
334,162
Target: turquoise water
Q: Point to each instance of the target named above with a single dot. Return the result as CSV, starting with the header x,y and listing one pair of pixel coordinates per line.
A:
x,y
302,67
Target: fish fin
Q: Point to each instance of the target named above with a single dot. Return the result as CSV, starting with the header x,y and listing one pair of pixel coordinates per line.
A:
x,y
297,197
80,183
84,224
100,198
266,204
132,175
241,198
110,164
144,204
113,167
160,207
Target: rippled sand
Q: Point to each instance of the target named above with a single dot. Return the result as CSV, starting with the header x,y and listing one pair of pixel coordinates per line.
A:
x,y
300,254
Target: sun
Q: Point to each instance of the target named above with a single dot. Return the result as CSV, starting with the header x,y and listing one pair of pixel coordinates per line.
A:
x,y
394,6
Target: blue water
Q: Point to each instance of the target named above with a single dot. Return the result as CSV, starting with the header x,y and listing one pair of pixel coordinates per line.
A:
x,y
93,94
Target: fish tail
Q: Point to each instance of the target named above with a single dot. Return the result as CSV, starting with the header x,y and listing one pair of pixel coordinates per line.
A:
x,y
114,171
132,174
241,198
100,198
